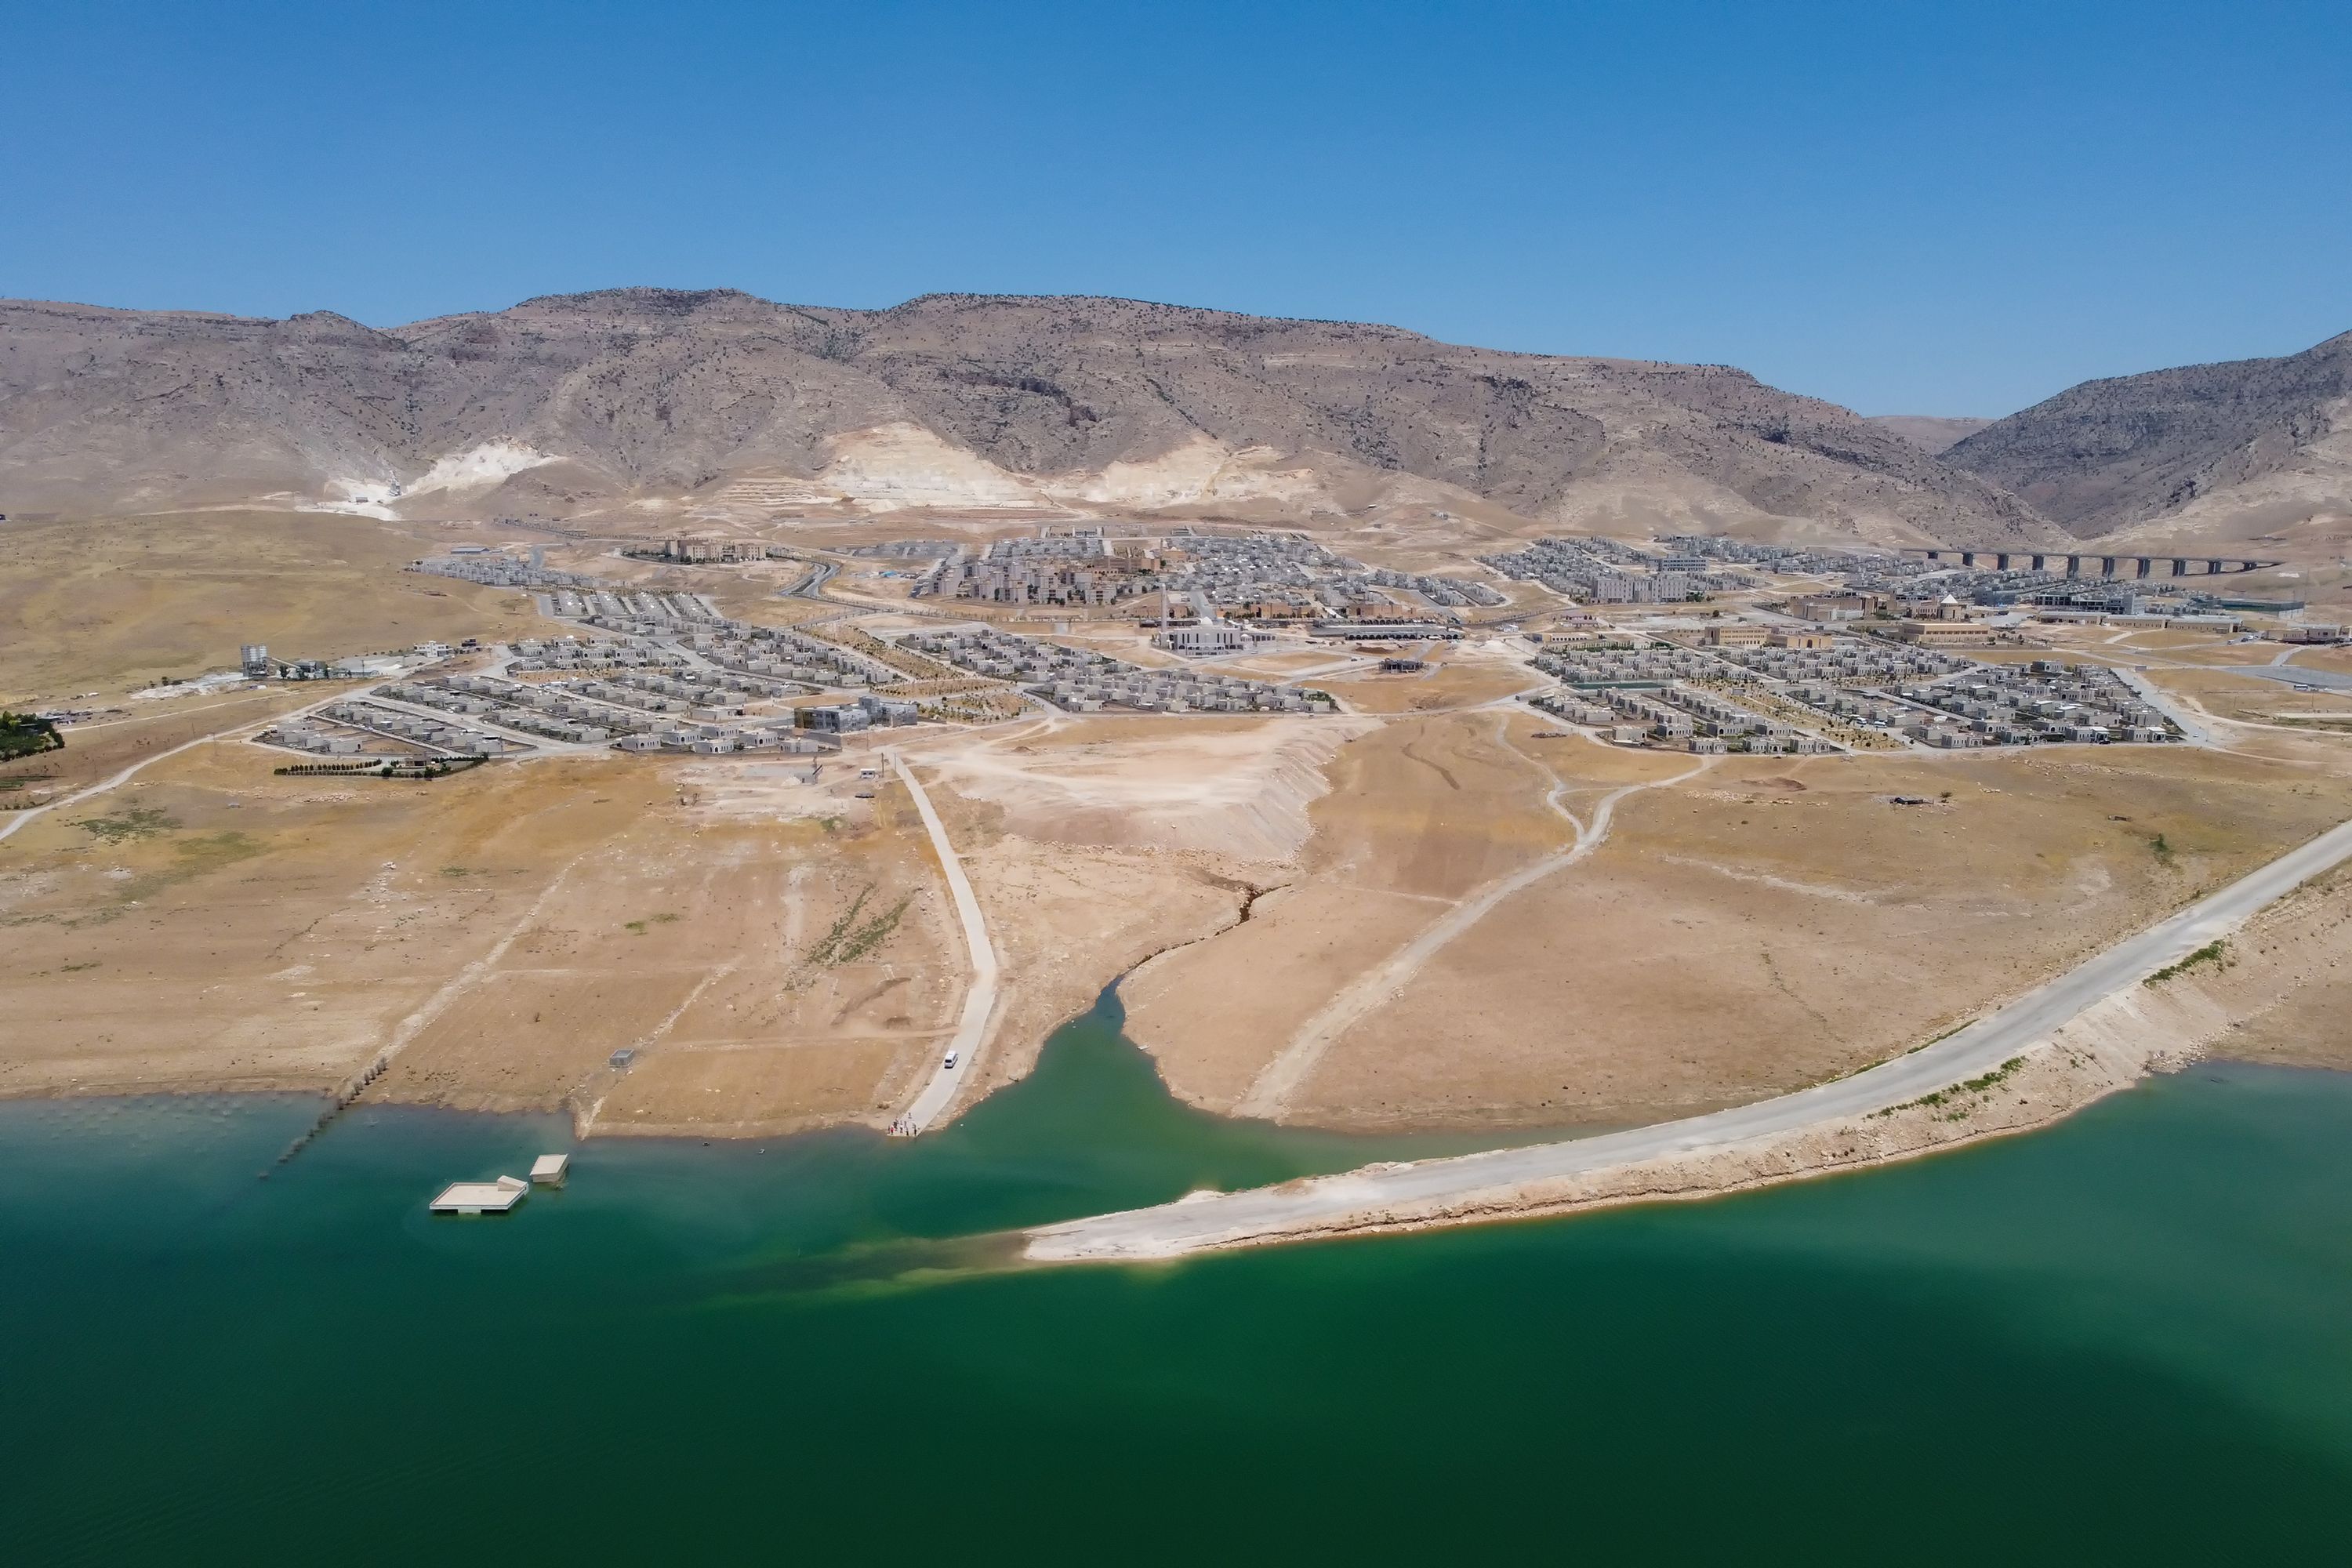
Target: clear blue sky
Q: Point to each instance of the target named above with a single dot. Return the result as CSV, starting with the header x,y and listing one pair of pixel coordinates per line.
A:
x,y
1904,207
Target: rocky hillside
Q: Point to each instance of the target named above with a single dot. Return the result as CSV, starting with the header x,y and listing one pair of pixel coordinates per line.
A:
x,y
1928,431
674,402
2204,443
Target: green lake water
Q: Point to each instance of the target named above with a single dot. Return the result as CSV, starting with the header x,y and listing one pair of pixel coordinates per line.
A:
x,y
2126,1339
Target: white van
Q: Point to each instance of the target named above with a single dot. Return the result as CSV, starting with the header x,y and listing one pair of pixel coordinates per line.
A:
x,y
950,1061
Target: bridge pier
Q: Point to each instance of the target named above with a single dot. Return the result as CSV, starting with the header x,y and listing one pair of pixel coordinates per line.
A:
x,y
2045,561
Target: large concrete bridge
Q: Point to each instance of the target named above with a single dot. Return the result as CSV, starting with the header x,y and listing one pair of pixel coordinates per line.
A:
x,y
2028,559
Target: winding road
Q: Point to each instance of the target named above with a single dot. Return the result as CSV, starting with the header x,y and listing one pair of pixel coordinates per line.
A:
x,y
1208,1221
18,819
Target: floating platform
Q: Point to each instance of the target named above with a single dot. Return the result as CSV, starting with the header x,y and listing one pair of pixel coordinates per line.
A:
x,y
547,1171
481,1197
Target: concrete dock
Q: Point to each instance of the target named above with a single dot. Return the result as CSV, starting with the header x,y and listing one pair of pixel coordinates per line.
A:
x,y
481,1197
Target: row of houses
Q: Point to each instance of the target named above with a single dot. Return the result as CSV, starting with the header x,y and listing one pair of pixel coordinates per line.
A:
x,y
1603,572
2048,699
868,712
1084,681
437,735
548,712
715,741
1847,661
583,654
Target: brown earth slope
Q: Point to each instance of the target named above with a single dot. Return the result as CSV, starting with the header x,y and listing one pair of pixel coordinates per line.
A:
x,y
1766,925
129,600
499,935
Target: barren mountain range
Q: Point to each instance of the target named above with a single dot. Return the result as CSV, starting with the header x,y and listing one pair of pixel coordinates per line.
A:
x,y
2177,446
662,405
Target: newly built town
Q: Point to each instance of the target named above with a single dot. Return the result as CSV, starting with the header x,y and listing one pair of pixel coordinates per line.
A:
x,y
784,823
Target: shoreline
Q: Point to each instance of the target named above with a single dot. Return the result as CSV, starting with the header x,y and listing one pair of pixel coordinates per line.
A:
x,y
2054,1084
2131,1010
2096,1029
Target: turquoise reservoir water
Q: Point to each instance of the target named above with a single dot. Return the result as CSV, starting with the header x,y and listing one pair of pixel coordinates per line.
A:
x,y
2130,1337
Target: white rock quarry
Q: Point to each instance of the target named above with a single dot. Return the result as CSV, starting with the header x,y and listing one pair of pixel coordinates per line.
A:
x,y
491,464
1202,469
898,466
902,465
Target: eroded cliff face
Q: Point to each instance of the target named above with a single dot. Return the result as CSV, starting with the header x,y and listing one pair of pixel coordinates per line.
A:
x,y
953,400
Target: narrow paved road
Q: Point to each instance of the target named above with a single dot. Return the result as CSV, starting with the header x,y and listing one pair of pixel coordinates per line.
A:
x,y
1237,1218
2163,702
980,998
2289,674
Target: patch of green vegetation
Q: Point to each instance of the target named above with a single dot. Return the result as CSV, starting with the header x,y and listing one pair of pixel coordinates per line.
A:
x,y
2162,850
849,938
2213,952
870,935
1954,1094
133,823
665,919
76,968
456,872
22,734
637,926
837,934
1979,1085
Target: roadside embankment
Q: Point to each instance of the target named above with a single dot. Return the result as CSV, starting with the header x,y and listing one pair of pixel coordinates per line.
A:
x,y
2108,1049
2154,1002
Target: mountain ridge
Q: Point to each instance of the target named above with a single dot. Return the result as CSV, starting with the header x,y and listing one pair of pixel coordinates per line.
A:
x,y
2180,447
659,398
